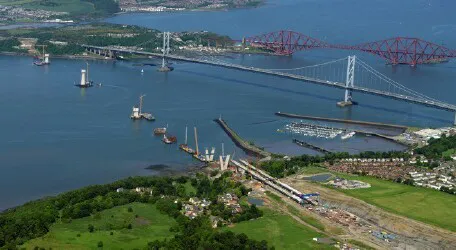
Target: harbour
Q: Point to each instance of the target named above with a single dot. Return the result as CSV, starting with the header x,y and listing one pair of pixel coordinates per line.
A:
x,y
58,120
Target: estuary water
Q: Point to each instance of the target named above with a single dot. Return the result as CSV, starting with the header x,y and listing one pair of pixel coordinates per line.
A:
x,y
56,137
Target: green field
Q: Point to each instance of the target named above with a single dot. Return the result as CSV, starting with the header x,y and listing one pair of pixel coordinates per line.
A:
x,y
280,231
449,152
422,204
149,226
74,7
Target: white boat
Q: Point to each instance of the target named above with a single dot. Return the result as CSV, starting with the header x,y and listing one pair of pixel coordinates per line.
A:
x,y
348,135
142,71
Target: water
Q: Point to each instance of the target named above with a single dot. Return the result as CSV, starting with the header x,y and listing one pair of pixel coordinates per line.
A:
x,y
319,177
257,202
56,137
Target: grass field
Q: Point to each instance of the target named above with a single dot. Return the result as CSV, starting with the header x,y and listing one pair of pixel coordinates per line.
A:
x,y
150,225
189,189
449,152
422,204
280,231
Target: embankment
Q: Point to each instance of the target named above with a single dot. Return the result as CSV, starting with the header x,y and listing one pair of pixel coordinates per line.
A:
x,y
377,124
247,147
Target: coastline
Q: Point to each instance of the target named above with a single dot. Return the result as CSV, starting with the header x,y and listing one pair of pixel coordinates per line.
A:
x,y
93,57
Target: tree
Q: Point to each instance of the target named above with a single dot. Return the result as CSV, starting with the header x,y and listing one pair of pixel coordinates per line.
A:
x,y
129,226
130,209
91,228
100,244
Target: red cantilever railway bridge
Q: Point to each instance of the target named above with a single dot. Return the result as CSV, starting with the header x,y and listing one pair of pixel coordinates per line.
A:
x,y
397,50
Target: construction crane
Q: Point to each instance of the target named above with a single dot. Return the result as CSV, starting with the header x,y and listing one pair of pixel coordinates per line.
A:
x,y
38,51
44,58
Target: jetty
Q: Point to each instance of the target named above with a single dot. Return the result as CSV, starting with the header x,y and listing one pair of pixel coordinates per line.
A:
x,y
137,113
247,147
307,117
308,145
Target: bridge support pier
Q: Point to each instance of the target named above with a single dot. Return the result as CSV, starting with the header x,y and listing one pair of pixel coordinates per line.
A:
x,y
164,67
349,83
347,100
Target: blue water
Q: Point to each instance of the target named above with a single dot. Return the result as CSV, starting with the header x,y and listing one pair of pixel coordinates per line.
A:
x,y
56,137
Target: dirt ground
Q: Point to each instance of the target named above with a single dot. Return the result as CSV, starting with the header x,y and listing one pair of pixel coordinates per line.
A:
x,y
411,234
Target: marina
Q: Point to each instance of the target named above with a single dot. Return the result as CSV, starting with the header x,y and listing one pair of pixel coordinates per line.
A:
x,y
308,117
312,130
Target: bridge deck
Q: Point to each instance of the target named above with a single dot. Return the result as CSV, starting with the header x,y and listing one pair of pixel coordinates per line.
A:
x,y
434,104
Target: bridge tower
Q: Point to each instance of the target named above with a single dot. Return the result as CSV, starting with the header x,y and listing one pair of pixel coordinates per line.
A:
x,y
349,82
164,67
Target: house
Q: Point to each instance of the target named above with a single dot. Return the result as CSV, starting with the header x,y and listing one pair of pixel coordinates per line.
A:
x,y
119,190
194,200
215,220
204,203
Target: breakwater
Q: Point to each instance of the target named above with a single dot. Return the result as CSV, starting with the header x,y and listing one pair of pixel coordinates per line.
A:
x,y
308,145
247,147
377,124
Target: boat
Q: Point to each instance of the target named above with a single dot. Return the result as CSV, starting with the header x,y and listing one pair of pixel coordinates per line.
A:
x,y
169,139
160,131
142,71
148,116
41,61
185,146
347,135
197,154
137,113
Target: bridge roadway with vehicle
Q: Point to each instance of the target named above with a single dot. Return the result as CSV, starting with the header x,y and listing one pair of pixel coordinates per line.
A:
x,y
429,103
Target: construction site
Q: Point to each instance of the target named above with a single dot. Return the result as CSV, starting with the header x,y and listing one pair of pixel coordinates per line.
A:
x,y
369,223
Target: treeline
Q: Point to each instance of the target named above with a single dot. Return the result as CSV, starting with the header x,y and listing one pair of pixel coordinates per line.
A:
x,y
33,219
199,234
282,168
10,45
206,38
96,34
70,49
436,147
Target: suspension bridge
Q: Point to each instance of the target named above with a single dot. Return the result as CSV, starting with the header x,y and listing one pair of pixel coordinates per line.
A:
x,y
338,73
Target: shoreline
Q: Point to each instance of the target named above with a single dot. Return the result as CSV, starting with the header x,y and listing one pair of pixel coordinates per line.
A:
x,y
94,57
